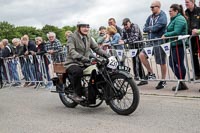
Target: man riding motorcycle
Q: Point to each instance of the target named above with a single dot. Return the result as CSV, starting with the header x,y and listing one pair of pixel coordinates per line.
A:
x,y
79,47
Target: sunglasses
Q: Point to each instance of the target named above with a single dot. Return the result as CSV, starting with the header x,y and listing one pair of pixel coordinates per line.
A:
x,y
153,7
125,24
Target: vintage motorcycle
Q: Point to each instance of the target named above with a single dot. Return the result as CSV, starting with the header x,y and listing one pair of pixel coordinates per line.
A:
x,y
104,81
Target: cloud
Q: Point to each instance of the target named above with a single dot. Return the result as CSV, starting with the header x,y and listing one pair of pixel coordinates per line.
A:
x,y
61,12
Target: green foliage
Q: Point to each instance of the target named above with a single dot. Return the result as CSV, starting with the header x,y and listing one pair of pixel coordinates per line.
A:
x,y
32,32
94,33
50,28
66,28
9,31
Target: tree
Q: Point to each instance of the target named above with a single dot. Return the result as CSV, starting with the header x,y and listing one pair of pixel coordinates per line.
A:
x,y
64,29
32,32
50,28
7,31
94,33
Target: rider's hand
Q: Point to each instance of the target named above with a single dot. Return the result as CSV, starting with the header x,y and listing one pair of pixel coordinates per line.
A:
x,y
106,55
85,60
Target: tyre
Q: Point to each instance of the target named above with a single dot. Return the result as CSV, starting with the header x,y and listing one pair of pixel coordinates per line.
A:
x,y
126,99
65,99
1,84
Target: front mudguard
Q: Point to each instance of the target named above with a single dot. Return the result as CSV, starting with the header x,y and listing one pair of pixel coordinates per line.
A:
x,y
126,74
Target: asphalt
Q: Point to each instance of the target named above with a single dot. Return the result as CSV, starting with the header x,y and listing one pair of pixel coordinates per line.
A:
x,y
26,110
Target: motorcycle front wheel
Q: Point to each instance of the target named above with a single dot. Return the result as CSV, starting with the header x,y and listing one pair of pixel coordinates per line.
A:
x,y
126,98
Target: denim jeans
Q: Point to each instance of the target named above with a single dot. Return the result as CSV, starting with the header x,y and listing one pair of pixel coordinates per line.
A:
x,y
14,76
28,71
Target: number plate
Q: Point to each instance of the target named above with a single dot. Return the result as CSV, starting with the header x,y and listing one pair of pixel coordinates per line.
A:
x,y
124,68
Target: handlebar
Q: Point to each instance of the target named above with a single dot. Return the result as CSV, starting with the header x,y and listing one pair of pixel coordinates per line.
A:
x,y
100,61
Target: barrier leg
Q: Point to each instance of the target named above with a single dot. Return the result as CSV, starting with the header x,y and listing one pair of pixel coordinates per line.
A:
x,y
177,86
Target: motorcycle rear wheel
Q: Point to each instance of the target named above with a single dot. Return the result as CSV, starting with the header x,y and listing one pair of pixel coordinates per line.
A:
x,y
66,100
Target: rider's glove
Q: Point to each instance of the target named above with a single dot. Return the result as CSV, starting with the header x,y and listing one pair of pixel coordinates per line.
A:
x,y
106,56
85,60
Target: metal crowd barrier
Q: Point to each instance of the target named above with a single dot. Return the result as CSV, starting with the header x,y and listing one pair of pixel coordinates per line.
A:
x,y
39,69
30,70
150,47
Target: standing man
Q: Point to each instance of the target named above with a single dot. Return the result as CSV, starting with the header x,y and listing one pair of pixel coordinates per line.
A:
x,y
111,21
1,64
193,15
155,27
130,34
53,47
28,69
8,51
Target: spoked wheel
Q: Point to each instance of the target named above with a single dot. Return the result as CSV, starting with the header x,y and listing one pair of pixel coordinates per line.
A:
x,y
65,99
126,98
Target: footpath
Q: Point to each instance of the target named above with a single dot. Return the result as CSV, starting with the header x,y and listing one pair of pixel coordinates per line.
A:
x,y
149,89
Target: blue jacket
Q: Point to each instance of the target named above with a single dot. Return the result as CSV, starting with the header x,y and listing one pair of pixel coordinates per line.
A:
x,y
114,42
155,25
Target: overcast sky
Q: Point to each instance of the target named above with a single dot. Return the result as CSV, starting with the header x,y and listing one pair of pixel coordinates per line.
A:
x,y
60,13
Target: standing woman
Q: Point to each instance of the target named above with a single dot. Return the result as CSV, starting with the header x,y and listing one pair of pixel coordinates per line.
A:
x,y
177,26
114,37
41,50
1,64
113,41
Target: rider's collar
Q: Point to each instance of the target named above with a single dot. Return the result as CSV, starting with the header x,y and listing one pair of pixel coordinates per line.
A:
x,y
81,35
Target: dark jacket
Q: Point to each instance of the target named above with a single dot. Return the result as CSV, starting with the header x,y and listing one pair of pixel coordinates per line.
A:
x,y
155,25
119,30
31,47
7,51
131,35
177,26
193,19
41,49
19,50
